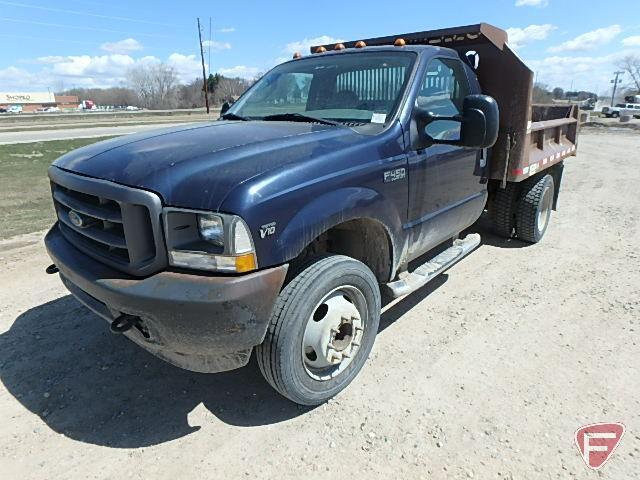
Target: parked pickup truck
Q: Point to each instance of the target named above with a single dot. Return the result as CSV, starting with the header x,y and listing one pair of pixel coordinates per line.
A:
x,y
281,226
631,109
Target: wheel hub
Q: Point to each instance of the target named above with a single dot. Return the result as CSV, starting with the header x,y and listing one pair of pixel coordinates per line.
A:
x,y
333,334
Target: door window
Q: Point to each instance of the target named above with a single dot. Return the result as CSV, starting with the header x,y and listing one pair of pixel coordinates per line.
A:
x,y
442,93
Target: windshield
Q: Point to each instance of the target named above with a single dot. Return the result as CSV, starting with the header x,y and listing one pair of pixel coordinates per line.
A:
x,y
361,88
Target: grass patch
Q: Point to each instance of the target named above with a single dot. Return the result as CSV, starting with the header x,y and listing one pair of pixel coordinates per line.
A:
x,y
25,196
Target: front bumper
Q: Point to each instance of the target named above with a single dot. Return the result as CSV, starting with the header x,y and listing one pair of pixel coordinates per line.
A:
x,y
198,322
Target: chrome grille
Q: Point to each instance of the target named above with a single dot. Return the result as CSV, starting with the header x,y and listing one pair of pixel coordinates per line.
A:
x,y
118,225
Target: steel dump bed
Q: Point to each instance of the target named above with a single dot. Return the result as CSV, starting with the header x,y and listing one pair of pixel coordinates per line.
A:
x,y
532,137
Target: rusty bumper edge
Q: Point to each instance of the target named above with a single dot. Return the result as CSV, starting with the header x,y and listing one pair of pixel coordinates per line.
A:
x,y
198,322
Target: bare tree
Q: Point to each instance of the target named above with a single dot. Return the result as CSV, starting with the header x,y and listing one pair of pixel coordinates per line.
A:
x,y
631,65
541,93
155,84
229,89
191,95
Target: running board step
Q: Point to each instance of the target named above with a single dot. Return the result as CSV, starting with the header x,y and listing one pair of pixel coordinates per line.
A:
x,y
431,269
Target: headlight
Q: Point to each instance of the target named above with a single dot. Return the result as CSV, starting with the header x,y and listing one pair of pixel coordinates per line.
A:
x,y
211,229
208,241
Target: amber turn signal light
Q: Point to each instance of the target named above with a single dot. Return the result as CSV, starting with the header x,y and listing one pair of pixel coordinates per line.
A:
x,y
245,263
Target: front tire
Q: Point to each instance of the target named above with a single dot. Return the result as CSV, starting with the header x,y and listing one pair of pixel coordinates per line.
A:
x,y
534,209
322,329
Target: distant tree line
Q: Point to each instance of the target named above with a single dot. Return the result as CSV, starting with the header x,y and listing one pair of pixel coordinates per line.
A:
x,y
542,93
157,87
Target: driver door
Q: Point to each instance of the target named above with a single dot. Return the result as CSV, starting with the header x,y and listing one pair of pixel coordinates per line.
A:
x,y
445,192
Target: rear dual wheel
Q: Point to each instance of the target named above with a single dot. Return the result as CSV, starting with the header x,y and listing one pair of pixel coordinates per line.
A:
x,y
524,209
322,330
534,210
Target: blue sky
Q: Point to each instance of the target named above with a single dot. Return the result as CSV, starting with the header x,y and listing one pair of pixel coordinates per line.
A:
x,y
92,43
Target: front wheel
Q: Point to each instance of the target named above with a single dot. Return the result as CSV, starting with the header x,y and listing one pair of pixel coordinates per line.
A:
x,y
322,330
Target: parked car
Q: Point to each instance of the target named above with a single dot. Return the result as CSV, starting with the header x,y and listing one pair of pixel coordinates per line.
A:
x,y
3,110
131,108
280,227
14,109
632,109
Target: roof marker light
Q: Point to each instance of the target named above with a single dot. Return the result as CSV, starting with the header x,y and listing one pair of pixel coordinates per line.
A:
x,y
399,42
320,49
339,46
297,55
360,44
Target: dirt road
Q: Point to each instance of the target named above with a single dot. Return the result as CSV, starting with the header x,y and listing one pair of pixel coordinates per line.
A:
x,y
486,373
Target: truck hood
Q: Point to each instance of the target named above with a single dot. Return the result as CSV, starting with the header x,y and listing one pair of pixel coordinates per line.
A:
x,y
196,166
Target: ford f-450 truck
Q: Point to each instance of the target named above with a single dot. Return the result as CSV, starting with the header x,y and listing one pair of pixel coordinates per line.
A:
x,y
279,227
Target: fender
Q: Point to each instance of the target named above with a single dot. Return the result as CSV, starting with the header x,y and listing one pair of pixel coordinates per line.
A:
x,y
331,209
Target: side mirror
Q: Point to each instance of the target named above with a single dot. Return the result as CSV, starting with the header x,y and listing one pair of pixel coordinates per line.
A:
x,y
225,107
479,123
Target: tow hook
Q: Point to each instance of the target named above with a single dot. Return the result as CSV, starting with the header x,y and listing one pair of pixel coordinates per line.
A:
x,y
123,323
51,269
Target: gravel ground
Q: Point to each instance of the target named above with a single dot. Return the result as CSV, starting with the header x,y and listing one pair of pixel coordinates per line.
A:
x,y
486,373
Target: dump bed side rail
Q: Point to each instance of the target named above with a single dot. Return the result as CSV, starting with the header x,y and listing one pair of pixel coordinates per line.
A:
x,y
551,137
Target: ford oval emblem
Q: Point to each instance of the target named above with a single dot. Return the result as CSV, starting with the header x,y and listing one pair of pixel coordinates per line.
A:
x,y
75,218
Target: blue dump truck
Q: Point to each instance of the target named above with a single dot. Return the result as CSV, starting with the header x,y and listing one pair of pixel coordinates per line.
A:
x,y
340,178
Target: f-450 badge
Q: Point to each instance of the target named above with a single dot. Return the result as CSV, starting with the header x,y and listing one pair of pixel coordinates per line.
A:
x,y
394,175
267,229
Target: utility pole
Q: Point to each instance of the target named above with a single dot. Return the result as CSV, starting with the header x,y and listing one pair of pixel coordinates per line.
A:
x,y
615,82
204,73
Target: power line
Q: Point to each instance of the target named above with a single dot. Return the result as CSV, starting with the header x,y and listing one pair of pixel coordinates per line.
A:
x,y
86,14
93,29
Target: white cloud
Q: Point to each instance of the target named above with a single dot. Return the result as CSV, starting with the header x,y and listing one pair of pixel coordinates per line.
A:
x,y
519,37
241,71
632,41
227,30
303,46
187,67
15,79
532,3
123,46
91,71
216,46
89,66
591,73
589,40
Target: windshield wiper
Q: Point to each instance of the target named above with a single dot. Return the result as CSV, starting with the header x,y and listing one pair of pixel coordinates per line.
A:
x,y
299,117
233,116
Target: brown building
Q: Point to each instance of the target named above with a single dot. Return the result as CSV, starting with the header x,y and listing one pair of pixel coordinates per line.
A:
x,y
67,102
